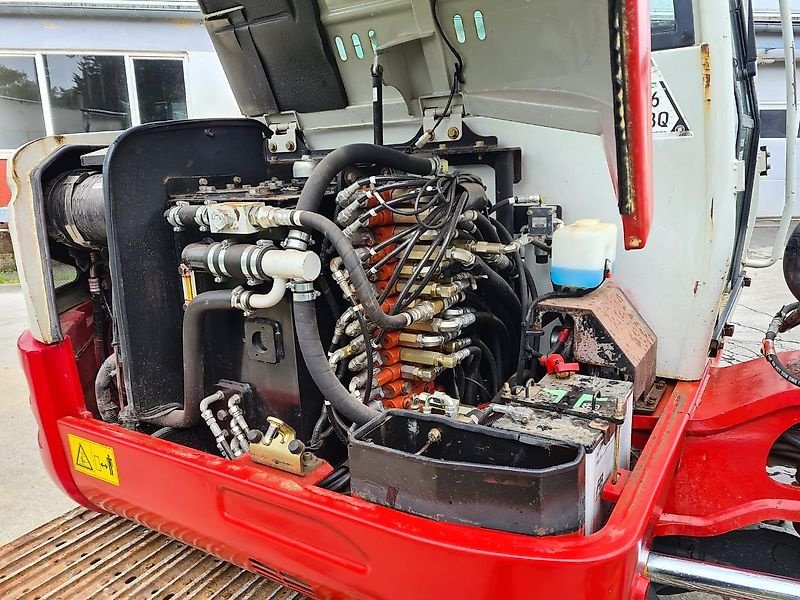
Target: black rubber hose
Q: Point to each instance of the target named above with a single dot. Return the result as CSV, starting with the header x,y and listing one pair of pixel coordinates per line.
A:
x,y
498,285
305,323
488,322
104,390
329,167
488,232
477,199
769,344
491,366
358,277
193,363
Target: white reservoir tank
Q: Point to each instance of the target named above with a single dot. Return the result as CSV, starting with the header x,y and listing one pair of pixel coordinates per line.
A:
x,y
581,253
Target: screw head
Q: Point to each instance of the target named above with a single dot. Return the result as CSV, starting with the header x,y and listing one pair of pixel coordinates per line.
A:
x,y
237,179
290,146
273,147
453,132
202,181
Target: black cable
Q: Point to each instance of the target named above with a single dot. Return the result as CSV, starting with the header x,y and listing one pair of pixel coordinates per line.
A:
x,y
459,66
370,359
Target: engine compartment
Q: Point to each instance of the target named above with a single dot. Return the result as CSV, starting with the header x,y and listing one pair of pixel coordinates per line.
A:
x,y
293,310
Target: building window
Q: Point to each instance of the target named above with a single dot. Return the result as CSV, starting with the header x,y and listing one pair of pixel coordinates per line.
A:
x,y
160,89
773,123
21,114
49,94
87,93
671,24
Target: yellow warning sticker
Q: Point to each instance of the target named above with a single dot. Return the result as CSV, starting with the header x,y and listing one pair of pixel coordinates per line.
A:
x,y
93,459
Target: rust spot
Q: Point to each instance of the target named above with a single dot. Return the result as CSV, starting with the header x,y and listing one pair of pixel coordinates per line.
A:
x,y
705,63
59,139
696,287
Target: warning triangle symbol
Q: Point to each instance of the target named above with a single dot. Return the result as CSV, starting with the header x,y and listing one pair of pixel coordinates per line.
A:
x,y
82,460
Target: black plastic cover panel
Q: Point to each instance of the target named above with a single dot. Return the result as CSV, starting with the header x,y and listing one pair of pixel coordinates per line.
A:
x,y
144,263
274,55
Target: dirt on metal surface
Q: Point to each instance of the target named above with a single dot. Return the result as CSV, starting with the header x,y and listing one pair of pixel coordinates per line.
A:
x,y
91,556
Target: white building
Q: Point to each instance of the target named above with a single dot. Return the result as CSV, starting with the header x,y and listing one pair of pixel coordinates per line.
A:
x,y
772,101
92,65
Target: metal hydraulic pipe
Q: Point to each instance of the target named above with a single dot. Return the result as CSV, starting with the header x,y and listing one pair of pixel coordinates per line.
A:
x,y
695,575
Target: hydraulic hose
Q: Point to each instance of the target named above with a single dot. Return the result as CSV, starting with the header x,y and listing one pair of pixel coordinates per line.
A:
x,y
498,285
491,365
305,322
103,390
329,167
345,250
488,232
488,322
193,367
471,367
785,319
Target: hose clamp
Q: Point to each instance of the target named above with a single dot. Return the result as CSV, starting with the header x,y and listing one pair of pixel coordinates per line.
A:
x,y
297,240
239,298
303,291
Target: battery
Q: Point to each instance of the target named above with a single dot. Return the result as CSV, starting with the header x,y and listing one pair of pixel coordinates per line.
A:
x,y
592,412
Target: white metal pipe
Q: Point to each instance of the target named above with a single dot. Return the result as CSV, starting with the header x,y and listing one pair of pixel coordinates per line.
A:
x,y
695,575
270,299
291,264
787,31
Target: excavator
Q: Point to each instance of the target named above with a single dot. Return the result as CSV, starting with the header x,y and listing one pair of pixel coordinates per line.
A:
x,y
440,317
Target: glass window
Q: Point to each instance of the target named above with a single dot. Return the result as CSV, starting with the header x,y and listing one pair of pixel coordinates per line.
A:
x,y
160,89
21,116
87,93
671,24
63,274
773,123
662,15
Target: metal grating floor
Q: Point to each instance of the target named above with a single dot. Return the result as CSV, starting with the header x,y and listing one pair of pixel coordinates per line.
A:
x,y
91,556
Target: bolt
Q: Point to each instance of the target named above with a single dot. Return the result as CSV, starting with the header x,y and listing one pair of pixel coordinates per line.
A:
x,y
290,146
273,147
237,180
350,177
221,415
728,330
202,181
747,282
480,143
453,132
434,436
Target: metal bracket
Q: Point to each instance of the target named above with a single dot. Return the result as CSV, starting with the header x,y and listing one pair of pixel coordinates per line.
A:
x,y
451,127
284,133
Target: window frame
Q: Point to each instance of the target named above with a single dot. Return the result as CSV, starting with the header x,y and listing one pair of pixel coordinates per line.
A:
x,y
130,79
683,35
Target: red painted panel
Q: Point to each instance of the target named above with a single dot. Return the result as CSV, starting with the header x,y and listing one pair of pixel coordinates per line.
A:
x,y
636,32
344,547
5,191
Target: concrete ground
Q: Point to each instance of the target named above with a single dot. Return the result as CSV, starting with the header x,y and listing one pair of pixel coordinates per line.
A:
x,y
28,498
